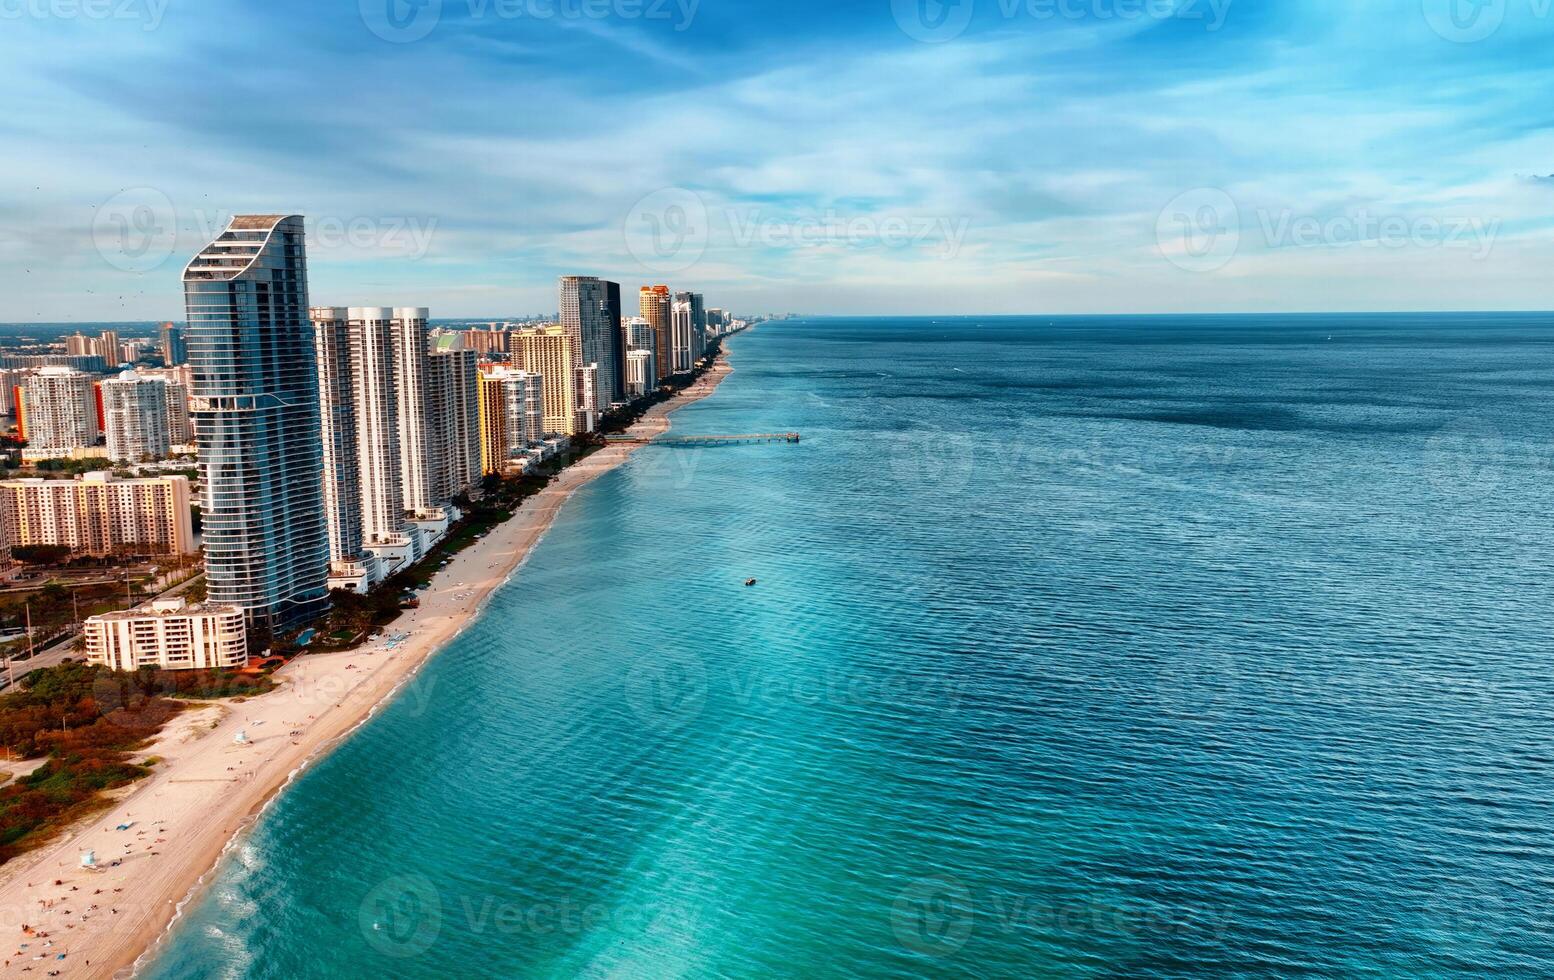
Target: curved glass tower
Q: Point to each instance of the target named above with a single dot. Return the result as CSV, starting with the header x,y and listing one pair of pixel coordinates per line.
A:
x,y
256,415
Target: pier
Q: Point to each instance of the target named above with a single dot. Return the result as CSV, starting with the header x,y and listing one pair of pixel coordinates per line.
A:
x,y
718,440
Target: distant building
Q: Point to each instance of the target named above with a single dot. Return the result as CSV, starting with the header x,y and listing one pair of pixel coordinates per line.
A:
x,y
640,378
350,566
512,417
172,346
168,635
180,430
548,352
658,312
98,515
58,410
256,414
588,398
109,348
486,341
453,411
591,312
90,363
10,380
682,349
135,418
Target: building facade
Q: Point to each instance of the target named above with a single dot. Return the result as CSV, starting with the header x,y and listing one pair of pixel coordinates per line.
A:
x,y
349,564
170,343
640,376
58,410
453,411
591,311
512,417
547,351
135,410
98,515
168,635
256,414
657,310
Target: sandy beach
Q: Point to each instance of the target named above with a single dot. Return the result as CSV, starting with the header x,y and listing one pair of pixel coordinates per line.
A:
x,y
57,916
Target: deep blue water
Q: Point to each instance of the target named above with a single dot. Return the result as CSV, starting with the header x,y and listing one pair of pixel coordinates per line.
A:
x,y
1081,647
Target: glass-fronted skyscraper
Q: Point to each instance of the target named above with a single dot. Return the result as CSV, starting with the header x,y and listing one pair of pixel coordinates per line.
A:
x,y
255,404
590,309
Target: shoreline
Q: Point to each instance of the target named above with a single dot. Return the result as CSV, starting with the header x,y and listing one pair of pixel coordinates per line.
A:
x,y
209,790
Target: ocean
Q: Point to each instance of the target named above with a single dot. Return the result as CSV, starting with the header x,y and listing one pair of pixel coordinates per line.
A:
x,y
1080,647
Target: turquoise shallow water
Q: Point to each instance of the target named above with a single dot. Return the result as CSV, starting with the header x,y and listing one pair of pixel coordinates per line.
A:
x,y
1082,647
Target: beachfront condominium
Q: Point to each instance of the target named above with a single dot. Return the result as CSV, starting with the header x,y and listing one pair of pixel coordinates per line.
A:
x,y
416,445
591,311
97,515
453,413
168,634
382,390
512,417
698,327
682,343
548,352
656,309
58,410
256,413
349,565
135,418
639,372
640,337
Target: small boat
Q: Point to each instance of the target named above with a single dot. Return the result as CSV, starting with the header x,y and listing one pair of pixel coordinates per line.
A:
x,y
749,582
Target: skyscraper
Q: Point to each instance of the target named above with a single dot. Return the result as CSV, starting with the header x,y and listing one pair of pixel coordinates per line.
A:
x,y
172,346
374,344
453,410
58,410
591,311
417,451
348,563
698,327
180,431
547,351
656,311
109,348
256,410
511,416
135,418
682,333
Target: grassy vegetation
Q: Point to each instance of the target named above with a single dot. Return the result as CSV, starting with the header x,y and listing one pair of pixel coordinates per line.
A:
x,y
87,722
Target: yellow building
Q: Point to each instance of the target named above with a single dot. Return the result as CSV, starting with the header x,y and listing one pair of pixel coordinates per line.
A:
x,y
549,352
657,310
98,515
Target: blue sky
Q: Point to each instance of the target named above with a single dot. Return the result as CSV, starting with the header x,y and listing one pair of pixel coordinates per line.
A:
x,y
848,156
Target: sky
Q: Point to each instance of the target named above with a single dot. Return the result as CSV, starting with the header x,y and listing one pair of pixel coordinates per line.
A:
x,y
814,156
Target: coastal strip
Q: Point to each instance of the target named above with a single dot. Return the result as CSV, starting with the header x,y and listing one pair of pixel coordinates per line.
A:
x,y
223,763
